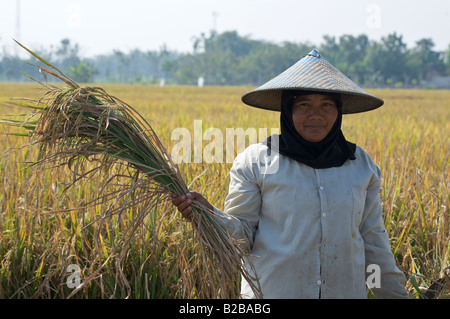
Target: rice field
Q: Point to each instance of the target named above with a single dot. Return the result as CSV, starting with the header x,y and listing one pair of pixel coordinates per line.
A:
x,y
46,254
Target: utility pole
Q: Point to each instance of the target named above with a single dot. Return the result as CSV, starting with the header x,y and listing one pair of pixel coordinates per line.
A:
x,y
215,15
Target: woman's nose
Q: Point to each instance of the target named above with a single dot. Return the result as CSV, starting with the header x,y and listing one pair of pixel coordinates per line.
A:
x,y
315,112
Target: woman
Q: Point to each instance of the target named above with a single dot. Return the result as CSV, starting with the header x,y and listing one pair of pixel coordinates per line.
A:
x,y
313,223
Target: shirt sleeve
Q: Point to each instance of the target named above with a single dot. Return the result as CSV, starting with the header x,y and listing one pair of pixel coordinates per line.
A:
x,y
243,202
390,281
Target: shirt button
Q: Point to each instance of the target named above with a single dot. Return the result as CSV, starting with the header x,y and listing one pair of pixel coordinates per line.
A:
x,y
321,188
319,282
324,215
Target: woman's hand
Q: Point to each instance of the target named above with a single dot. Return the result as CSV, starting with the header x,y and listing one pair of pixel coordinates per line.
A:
x,y
183,203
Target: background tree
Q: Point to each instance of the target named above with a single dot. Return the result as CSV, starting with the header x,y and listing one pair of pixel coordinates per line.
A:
x,y
231,59
83,72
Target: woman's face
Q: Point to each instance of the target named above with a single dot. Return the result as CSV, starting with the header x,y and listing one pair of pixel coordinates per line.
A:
x,y
314,115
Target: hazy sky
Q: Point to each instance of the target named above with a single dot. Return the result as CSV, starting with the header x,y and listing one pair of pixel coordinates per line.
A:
x,y
99,26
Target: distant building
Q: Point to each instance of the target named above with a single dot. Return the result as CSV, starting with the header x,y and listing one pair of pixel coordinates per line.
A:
x,y
438,82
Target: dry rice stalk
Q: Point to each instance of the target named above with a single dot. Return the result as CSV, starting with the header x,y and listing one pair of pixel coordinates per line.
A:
x,y
95,134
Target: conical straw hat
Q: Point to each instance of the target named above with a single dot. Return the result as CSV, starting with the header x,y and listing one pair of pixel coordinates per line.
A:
x,y
312,73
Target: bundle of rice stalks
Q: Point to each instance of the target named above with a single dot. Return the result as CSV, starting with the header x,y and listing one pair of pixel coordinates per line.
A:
x,y
92,133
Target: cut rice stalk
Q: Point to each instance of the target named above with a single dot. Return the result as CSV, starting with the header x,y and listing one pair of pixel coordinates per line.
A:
x,y
80,125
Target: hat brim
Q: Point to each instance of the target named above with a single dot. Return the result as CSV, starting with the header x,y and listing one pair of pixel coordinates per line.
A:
x,y
312,73
270,99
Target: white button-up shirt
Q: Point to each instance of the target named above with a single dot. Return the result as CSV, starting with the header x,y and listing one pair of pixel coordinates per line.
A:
x,y
312,232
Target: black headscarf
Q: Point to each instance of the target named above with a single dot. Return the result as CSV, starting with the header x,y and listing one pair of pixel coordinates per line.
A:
x,y
333,151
